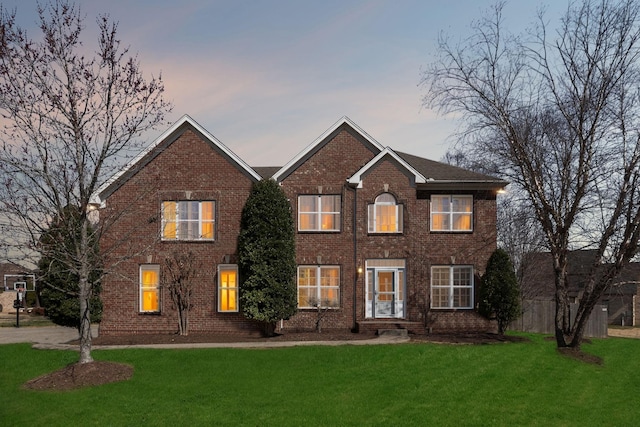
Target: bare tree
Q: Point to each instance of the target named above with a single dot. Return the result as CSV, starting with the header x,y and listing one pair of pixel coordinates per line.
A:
x,y
518,232
179,274
557,114
69,117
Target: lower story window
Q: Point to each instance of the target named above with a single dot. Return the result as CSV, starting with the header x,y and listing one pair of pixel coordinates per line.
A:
x,y
318,286
228,288
452,286
150,288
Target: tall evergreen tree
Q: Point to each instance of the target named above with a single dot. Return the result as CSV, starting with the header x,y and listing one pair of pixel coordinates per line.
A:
x,y
59,285
499,291
266,256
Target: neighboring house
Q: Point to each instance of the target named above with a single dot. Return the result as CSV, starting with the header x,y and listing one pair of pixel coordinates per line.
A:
x,y
621,299
14,278
383,239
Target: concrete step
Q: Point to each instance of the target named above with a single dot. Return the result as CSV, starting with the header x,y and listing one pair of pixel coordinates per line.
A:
x,y
394,332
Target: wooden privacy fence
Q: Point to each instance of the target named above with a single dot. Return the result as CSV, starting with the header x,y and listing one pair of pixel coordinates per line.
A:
x,y
539,316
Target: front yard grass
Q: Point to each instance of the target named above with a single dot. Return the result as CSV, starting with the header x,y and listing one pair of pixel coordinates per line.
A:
x,y
405,384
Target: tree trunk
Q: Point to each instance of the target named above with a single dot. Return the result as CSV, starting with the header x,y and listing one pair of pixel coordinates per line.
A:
x,y
562,319
85,295
268,329
183,320
85,322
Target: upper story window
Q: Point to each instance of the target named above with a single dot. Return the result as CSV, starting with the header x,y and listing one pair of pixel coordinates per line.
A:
x,y
451,213
319,213
188,220
385,215
452,286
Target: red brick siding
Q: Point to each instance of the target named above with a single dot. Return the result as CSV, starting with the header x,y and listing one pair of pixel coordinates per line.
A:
x,y
189,168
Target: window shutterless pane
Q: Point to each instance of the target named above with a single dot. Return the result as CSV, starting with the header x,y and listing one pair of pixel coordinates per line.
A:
x,y
318,285
149,288
439,203
461,221
228,288
330,221
451,213
461,204
168,220
385,216
207,223
318,213
188,220
452,287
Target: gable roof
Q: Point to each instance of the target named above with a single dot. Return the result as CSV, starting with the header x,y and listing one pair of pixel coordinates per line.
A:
x,y
345,123
416,177
443,176
163,141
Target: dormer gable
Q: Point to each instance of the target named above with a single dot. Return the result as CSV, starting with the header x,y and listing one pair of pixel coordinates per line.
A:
x,y
387,154
344,124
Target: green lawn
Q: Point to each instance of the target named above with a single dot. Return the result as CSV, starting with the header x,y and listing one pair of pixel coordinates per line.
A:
x,y
404,384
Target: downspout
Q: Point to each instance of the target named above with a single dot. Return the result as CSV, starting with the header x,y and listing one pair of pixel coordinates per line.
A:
x,y
354,327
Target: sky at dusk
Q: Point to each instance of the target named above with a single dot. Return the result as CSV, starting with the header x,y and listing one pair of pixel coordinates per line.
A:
x,y
268,77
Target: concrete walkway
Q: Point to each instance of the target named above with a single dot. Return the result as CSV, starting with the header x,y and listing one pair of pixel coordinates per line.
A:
x,y
57,337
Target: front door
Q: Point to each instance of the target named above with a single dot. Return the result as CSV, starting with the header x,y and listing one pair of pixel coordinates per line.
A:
x,y
385,292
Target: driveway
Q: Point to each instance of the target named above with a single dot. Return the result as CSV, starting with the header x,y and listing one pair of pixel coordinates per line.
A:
x,y
40,334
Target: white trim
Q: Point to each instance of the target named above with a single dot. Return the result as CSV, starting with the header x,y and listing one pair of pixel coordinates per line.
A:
x,y
399,270
95,197
320,139
356,178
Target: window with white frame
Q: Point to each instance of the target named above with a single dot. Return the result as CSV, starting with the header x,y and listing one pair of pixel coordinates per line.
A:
x,y
188,220
385,215
318,286
452,286
228,288
150,288
319,213
451,213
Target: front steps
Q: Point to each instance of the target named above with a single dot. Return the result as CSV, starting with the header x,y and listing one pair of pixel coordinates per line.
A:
x,y
391,326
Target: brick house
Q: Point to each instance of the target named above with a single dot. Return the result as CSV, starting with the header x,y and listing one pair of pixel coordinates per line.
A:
x,y
383,239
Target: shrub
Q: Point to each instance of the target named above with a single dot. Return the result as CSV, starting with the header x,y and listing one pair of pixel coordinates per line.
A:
x,y
499,291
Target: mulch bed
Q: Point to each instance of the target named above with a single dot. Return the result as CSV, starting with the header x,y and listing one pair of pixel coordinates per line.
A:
x,y
80,375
